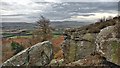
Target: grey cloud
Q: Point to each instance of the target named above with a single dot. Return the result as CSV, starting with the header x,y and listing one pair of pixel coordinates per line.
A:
x,y
15,15
5,4
78,0
54,11
86,15
89,0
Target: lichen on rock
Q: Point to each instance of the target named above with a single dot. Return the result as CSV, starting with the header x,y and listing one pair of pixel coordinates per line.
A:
x,y
39,54
108,43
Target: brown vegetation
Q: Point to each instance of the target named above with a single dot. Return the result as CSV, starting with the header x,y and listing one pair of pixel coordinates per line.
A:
x,y
97,26
7,51
57,48
26,42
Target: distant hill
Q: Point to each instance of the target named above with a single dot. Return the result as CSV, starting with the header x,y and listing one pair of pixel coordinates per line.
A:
x,y
55,24
17,25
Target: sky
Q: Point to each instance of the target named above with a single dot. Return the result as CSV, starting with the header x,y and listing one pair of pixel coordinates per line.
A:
x,y
76,0
19,10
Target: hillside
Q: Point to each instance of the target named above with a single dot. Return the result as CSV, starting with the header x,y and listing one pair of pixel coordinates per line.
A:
x,y
103,37
97,26
97,44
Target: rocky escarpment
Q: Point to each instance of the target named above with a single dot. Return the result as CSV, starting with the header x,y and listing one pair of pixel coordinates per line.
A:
x,y
93,60
38,55
80,42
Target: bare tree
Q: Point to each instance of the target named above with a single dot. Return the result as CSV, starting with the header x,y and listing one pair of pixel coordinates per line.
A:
x,y
43,31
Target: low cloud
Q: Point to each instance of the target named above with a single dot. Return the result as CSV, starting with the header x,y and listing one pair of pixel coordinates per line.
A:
x,y
94,17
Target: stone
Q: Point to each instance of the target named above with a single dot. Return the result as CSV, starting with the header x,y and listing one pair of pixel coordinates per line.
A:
x,y
18,59
77,46
42,54
56,62
90,37
39,54
108,43
93,60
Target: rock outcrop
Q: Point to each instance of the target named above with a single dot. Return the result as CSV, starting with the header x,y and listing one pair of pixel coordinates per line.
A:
x,y
94,59
80,42
108,43
38,55
77,45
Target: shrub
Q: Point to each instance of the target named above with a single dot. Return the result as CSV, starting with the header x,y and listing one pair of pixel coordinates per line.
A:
x,y
16,47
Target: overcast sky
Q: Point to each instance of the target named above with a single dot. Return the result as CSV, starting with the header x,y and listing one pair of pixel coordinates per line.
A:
x,y
15,10
76,0
23,1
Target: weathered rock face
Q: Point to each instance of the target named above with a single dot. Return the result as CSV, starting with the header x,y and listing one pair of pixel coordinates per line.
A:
x,y
108,43
94,59
76,46
56,62
37,55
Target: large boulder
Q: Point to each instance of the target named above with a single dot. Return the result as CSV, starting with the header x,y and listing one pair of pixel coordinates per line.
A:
x,y
37,55
77,46
108,43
